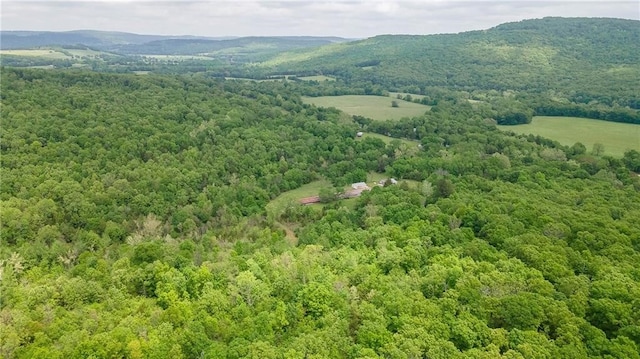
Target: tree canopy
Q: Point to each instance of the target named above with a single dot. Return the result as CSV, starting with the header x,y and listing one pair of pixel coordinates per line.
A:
x,y
134,224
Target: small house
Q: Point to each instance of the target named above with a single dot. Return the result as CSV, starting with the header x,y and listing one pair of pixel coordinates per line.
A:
x,y
310,200
359,185
382,182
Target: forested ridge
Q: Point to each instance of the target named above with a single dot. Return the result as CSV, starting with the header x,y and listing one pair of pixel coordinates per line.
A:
x,y
581,60
576,67
134,225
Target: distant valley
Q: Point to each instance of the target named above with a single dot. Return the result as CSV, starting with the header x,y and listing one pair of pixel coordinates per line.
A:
x,y
124,44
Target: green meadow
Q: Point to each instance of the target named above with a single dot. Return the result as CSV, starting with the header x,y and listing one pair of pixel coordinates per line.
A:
x,y
54,53
45,53
616,137
374,107
178,57
278,204
318,78
388,139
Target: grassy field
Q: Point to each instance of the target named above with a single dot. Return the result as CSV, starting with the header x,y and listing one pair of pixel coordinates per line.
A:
x,y
44,67
44,53
303,54
374,177
178,57
318,78
375,107
388,139
254,80
56,53
278,204
616,137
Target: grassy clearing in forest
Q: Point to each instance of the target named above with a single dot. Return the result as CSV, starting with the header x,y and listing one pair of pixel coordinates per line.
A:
x,y
255,80
44,53
374,107
318,78
388,139
374,177
278,204
55,53
616,137
178,57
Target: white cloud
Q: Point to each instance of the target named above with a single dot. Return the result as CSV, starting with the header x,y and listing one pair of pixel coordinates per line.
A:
x,y
348,18
387,7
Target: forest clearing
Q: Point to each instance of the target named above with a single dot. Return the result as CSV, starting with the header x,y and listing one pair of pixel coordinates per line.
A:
x,y
374,107
617,138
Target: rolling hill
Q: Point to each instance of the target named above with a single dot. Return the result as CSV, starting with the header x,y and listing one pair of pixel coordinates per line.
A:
x,y
263,47
590,56
104,40
244,48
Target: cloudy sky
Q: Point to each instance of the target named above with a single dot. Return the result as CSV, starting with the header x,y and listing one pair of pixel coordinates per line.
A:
x,y
346,18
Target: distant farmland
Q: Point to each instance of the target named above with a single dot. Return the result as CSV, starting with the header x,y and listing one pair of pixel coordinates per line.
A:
x,y
388,139
44,53
178,57
54,53
616,137
319,78
375,107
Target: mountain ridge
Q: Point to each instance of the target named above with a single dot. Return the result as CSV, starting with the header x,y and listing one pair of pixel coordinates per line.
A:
x,y
110,40
578,54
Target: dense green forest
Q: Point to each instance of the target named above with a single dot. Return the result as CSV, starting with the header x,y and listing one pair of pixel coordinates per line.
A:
x,y
134,226
577,59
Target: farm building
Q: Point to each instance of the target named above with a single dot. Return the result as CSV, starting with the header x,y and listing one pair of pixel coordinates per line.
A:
x,y
391,180
310,200
360,185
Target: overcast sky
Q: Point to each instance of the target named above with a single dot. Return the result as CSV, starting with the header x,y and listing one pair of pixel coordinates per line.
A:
x,y
294,17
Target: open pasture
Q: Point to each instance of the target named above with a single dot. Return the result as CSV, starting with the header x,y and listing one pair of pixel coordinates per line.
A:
x,y
616,137
177,57
278,204
318,78
374,107
44,53
388,139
